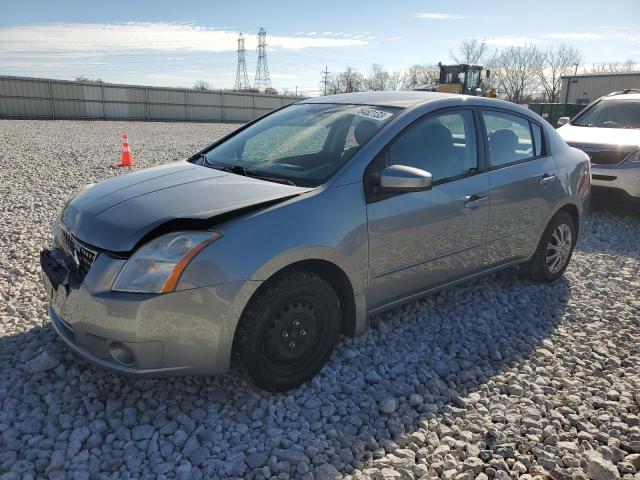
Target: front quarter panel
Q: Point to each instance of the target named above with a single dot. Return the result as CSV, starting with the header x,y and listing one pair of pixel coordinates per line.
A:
x,y
326,224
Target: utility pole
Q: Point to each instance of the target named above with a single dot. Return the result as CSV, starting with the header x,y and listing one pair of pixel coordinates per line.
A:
x,y
325,78
262,78
242,80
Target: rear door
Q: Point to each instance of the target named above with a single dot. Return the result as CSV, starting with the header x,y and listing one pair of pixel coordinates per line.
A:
x,y
523,179
423,239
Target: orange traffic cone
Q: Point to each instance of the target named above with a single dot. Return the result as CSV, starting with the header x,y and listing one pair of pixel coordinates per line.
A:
x,y
127,158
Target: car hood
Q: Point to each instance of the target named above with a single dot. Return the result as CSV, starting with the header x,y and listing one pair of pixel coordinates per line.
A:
x,y
117,213
619,138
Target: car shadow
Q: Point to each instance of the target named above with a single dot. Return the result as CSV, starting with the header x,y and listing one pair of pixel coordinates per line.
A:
x,y
441,348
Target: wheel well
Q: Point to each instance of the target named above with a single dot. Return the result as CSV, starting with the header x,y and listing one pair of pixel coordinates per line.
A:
x,y
338,280
575,214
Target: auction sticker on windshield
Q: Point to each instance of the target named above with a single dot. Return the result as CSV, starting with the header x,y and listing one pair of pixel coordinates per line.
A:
x,y
373,114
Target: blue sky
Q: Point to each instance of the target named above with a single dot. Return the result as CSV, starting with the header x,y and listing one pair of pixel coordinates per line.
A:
x,y
175,43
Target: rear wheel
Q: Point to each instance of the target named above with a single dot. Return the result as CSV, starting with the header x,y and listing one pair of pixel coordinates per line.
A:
x,y
288,331
555,249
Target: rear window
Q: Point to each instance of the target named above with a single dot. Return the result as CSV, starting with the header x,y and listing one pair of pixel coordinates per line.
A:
x,y
509,137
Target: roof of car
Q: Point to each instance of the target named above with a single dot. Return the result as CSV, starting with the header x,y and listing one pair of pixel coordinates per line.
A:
x,y
622,96
388,99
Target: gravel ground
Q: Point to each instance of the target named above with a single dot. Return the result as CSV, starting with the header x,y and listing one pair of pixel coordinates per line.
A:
x,y
500,378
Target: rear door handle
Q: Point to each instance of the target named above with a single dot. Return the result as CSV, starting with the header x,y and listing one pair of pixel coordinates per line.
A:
x,y
473,202
547,180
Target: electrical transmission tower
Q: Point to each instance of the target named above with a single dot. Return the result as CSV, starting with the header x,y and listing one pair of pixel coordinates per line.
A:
x,y
242,80
262,81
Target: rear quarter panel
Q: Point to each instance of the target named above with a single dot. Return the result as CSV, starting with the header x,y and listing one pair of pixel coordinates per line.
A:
x,y
574,173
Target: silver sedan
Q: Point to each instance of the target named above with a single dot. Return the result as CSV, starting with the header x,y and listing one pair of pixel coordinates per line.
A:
x,y
269,244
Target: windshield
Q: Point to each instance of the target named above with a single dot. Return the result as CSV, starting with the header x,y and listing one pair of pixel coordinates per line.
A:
x,y
611,114
303,145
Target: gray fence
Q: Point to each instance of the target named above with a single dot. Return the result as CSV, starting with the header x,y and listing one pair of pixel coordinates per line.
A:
x,y
22,97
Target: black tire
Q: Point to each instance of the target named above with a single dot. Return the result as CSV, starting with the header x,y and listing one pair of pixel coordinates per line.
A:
x,y
288,330
538,268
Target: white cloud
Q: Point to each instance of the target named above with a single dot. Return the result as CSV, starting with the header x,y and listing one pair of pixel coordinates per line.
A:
x,y
441,16
510,41
577,36
630,36
143,37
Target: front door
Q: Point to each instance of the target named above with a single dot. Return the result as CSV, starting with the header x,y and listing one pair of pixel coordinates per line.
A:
x,y
423,239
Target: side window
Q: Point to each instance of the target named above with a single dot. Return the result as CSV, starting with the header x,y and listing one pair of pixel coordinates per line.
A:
x,y
537,139
442,144
509,138
285,141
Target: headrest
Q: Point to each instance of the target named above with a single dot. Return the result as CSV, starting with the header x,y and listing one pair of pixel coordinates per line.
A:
x,y
364,131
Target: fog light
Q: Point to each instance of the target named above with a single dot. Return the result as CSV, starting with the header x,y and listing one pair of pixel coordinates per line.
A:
x,y
121,353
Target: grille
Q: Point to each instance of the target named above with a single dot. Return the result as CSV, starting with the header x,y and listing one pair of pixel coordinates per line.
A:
x,y
602,156
82,256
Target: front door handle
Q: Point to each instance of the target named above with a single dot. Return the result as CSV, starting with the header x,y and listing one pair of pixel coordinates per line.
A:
x,y
473,202
547,180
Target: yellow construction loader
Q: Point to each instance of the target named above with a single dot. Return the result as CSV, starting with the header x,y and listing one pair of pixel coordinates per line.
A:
x,y
461,79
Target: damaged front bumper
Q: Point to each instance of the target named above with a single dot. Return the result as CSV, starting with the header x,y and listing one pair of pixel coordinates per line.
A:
x,y
184,332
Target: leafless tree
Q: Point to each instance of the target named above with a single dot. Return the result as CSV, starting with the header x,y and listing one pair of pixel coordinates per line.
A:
x,y
82,78
557,62
350,80
377,79
515,71
607,67
629,65
202,85
419,74
472,52
394,82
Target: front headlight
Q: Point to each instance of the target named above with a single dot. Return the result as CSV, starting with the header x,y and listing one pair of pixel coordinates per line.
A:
x,y
157,266
633,157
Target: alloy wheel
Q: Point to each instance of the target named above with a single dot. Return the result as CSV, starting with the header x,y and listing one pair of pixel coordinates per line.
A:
x,y
559,248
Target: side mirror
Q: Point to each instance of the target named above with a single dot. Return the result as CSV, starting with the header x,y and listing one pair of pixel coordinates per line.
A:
x,y
402,178
563,121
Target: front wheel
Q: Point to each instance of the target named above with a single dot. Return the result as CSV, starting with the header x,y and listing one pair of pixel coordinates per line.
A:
x,y
288,330
554,252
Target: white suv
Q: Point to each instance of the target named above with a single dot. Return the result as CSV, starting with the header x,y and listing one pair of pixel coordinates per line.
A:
x,y
608,131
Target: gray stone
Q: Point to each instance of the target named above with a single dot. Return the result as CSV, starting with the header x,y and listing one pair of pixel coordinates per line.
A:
x,y
598,468
43,362
388,405
326,472
142,432
290,455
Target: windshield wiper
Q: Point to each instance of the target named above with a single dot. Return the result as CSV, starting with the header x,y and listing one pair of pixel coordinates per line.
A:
x,y
240,170
237,169
284,181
